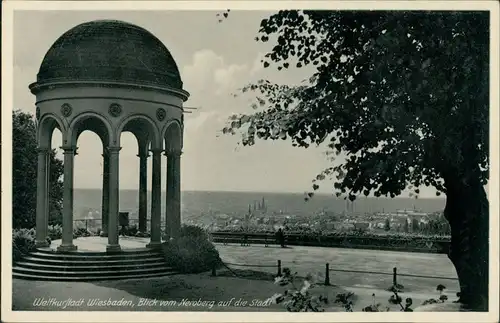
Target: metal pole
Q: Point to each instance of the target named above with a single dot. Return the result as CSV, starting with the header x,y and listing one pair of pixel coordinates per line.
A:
x,y
327,274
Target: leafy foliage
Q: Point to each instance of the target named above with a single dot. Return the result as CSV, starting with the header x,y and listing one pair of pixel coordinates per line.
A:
x,y
309,233
24,174
345,300
81,232
55,232
191,254
404,94
387,224
131,230
194,231
349,239
23,242
298,299
143,234
396,288
375,307
441,299
406,227
437,225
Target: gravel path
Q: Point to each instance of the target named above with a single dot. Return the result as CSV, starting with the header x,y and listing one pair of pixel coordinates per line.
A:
x,y
224,290
312,260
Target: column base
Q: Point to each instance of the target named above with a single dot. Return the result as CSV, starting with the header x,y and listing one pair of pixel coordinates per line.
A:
x,y
113,248
41,244
66,248
154,245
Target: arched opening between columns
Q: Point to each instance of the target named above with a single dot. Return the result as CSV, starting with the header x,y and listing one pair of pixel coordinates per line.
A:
x,y
90,207
147,140
45,207
101,127
46,126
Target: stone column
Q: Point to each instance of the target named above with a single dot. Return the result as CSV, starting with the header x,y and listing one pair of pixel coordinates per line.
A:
x,y
105,194
47,190
143,191
156,201
41,199
67,221
169,197
175,160
114,196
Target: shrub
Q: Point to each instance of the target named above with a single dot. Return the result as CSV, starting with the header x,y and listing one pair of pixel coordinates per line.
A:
x,y
442,297
346,300
143,234
302,300
55,232
81,232
191,254
194,231
23,242
131,230
298,299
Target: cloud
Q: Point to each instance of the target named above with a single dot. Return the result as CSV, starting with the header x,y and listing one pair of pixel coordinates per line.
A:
x,y
226,78
212,81
209,74
199,74
257,65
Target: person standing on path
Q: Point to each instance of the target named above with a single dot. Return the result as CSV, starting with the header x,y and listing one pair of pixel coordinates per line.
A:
x,y
280,236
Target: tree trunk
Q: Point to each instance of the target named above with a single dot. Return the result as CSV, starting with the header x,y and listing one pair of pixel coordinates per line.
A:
x,y
467,211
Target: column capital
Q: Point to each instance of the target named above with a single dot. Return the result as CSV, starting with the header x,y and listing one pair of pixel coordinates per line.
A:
x,y
143,155
173,153
69,149
156,150
113,150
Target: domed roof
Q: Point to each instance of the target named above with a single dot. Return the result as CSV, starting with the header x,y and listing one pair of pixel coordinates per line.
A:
x,y
113,51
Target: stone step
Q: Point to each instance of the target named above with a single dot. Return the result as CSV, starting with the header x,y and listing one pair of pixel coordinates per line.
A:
x,y
89,278
51,251
89,267
96,261
57,272
96,256
82,266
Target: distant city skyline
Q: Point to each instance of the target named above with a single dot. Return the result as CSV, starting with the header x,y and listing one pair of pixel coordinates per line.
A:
x,y
441,197
214,60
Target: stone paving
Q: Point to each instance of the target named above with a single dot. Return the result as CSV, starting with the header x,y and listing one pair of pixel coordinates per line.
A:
x,y
313,259
97,244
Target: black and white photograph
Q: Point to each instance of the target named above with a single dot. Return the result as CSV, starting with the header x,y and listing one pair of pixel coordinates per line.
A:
x,y
247,161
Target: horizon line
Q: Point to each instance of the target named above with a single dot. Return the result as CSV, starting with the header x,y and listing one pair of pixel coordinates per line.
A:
x,y
267,192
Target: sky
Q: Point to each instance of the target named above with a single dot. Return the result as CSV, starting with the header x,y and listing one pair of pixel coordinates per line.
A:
x,y
214,60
